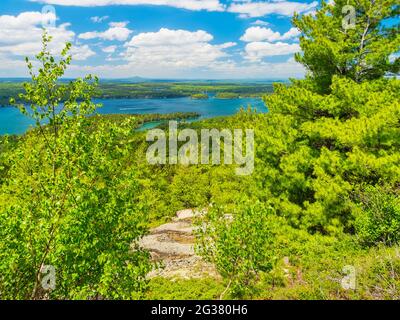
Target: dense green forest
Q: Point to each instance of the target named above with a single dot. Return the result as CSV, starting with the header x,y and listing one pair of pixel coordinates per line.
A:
x,y
151,90
324,197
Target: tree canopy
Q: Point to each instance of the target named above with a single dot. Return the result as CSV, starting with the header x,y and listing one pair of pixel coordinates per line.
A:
x,y
361,49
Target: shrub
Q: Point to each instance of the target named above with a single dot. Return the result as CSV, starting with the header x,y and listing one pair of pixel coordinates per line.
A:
x,y
380,219
241,246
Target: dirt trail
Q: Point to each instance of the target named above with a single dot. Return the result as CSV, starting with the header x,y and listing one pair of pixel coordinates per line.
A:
x,y
172,244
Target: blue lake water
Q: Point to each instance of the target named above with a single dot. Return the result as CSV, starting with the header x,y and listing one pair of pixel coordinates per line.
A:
x,y
13,122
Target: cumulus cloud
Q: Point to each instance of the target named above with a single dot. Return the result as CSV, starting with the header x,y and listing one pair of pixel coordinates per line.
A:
x,y
116,31
82,52
109,49
227,69
259,9
255,51
19,29
25,19
170,37
245,8
263,70
260,34
264,42
260,23
292,33
196,5
21,35
10,66
174,49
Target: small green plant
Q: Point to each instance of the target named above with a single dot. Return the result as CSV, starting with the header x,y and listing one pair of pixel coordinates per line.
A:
x,y
182,289
240,245
380,219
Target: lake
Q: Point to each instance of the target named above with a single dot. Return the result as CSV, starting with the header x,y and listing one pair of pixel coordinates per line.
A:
x,y
13,122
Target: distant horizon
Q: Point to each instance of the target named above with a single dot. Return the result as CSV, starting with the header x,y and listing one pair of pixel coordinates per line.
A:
x,y
168,79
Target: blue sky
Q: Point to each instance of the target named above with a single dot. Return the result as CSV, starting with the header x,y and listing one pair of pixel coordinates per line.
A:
x,y
196,39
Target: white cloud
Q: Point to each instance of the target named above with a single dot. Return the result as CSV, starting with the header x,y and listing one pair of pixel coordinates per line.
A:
x,y
260,34
121,24
260,23
227,45
25,41
25,19
253,34
109,49
170,37
292,33
11,66
245,8
219,70
255,51
263,70
196,5
82,52
259,9
117,31
21,36
174,49
18,29
98,19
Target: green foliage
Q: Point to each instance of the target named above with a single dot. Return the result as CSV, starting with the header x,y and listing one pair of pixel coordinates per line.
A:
x,y
227,95
193,289
168,189
379,274
7,143
199,96
194,182
326,145
69,204
360,53
379,220
239,245
314,269
324,139
138,120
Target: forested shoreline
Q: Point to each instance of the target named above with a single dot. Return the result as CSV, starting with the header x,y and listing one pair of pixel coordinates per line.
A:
x,y
157,90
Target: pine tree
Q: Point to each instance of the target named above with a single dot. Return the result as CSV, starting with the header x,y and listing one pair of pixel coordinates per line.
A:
x,y
360,47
